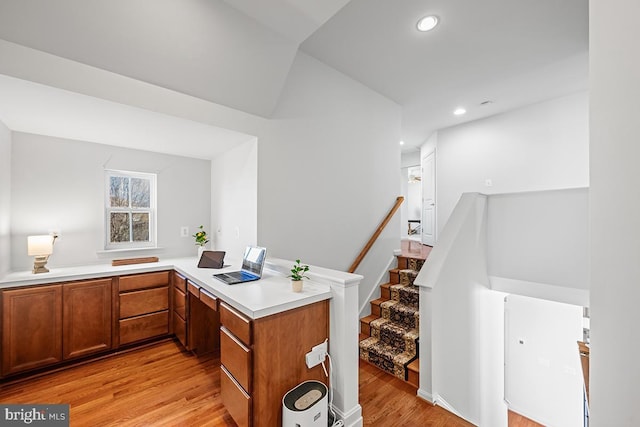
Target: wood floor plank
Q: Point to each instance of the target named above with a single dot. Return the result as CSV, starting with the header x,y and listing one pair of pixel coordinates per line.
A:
x,y
389,401
164,386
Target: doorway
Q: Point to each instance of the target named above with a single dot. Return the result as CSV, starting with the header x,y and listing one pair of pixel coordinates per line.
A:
x,y
428,222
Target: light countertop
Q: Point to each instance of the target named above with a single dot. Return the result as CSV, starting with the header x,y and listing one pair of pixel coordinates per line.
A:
x,y
270,295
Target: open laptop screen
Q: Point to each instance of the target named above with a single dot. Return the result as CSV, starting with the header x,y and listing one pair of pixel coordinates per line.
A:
x,y
253,259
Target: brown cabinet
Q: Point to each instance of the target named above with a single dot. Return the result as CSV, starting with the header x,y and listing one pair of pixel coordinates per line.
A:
x,y
143,306
86,317
45,325
262,359
180,308
31,328
203,322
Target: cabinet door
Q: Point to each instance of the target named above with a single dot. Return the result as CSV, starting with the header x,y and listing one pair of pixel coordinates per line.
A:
x,y
87,317
31,328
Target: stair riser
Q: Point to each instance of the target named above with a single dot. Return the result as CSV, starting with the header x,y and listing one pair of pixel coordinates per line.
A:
x,y
408,296
375,309
394,277
413,378
365,329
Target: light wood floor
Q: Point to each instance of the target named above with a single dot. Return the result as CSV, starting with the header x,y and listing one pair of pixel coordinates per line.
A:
x,y
517,420
164,386
414,249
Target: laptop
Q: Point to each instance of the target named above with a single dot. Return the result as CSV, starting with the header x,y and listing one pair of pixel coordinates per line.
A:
x,y
252,264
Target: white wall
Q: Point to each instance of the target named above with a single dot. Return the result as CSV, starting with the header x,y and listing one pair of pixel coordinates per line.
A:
x,y
5,199
58,184
329,166
542,367
328,160
614,211
541,238
466,358
234,199
539,147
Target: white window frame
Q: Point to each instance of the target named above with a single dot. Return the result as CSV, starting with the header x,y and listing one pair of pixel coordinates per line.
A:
x,y
152,209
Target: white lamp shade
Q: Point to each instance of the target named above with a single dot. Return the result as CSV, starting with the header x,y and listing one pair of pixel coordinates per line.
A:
x,y
40,245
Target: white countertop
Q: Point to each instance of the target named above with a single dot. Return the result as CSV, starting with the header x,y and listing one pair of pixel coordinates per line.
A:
x,y
270,295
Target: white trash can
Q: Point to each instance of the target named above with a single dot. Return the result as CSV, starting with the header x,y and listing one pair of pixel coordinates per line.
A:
x,y
306,405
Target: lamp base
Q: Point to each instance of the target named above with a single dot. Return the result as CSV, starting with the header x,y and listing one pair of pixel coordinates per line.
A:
x,y
39,263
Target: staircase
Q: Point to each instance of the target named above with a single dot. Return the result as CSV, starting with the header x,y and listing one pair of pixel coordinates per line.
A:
x,y
389,336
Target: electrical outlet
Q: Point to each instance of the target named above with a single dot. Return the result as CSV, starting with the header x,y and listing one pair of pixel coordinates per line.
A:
x,y
321,347
184,231
317,355
314,358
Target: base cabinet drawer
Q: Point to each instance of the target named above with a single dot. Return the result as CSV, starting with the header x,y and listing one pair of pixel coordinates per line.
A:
x,y
144,281
180,330
143,327
180,303
236,401
143,302
236,358
235,322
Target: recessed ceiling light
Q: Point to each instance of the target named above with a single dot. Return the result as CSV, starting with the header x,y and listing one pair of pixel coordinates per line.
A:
x,y
459,111
401,142
427,23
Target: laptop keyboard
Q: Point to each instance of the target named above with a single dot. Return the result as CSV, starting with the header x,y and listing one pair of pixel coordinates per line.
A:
x,y
239,275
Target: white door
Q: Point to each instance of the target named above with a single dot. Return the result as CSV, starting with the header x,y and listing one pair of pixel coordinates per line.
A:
x,y
428,222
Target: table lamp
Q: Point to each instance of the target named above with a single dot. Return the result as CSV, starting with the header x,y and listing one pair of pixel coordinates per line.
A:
x,y
40,247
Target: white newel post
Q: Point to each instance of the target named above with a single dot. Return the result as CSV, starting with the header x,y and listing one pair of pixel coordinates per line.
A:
x,y
344,327
343,347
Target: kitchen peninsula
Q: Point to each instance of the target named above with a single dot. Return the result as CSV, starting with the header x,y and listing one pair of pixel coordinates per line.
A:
x,y
262,329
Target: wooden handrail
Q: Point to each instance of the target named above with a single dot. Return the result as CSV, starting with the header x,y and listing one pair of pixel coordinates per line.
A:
x,y
583,350
375,235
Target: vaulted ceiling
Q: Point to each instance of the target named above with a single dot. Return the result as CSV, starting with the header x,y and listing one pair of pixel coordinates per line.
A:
x,y
238,53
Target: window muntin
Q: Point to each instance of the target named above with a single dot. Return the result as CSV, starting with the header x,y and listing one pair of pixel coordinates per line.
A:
x,y
130,210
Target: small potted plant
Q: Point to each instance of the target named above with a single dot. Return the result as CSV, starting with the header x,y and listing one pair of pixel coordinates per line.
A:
x,y
201,239
297,274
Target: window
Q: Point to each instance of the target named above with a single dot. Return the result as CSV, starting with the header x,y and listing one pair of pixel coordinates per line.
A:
x,y
130,204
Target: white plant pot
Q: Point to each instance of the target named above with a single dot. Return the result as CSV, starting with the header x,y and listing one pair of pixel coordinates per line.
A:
x,y
200,250
296,285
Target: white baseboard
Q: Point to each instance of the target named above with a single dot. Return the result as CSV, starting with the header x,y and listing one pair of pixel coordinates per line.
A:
x,y
438,400
374,288
425,395
353,418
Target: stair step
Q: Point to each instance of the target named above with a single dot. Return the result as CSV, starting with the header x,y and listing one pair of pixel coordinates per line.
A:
x,y
375,306
403,262
385,291
385,357
413,373
389,336
365,322
394,276
408,295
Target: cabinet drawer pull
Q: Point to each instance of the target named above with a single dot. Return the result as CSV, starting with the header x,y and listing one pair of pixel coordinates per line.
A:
x,y
210,300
